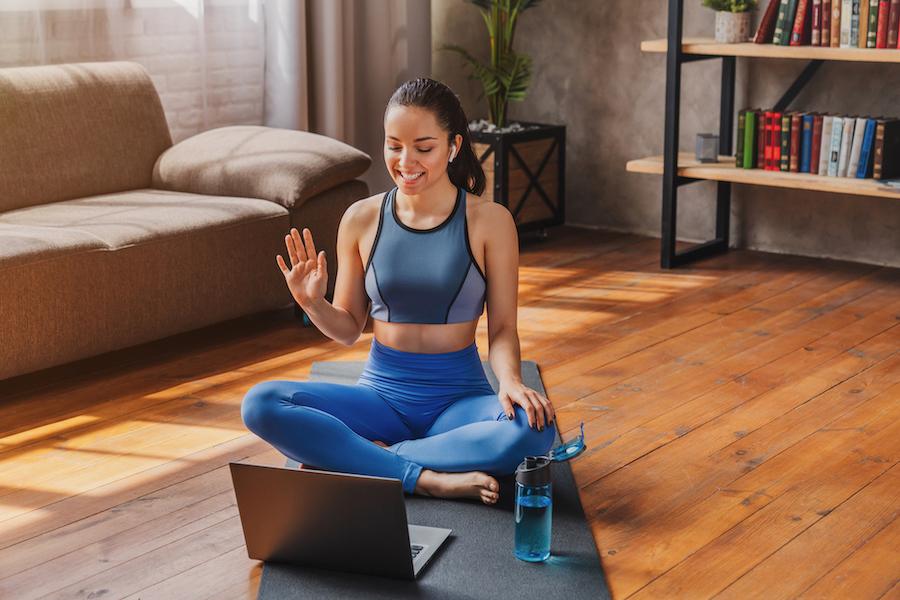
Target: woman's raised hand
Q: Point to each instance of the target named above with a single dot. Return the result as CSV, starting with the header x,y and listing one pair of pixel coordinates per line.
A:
x,y
307,277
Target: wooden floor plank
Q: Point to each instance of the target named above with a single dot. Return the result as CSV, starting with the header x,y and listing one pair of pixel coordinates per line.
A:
x,y
740,412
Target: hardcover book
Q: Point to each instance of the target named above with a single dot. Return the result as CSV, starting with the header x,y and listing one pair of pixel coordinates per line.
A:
x,y
750,139
796,136
799,36
766,28
846,143
837,128
865,155
826,23
846,26
836,16
816,18
806,143
739,145
887,149
816,149
859,130
785,137
863,23
884,10
871,34
825,150
762,123
781,22
893,22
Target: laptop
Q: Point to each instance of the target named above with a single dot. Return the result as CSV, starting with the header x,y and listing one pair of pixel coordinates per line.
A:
x,y
330,520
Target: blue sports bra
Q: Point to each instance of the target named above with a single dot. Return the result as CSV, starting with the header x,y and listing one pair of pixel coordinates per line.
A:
x,y
424,275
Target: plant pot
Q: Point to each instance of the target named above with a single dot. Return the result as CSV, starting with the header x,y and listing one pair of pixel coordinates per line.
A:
x,y
525,172
732,28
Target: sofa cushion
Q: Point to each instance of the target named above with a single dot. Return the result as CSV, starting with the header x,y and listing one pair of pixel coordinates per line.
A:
x,y
281,165
140,216
77,130
22,244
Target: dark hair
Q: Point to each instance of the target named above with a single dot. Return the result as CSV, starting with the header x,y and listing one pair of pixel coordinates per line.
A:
x,y
464,171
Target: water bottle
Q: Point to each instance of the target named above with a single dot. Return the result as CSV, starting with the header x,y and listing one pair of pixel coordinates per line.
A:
x,y
534,499
534,504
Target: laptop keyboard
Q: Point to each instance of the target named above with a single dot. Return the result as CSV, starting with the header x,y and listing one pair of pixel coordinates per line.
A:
x,y
415,549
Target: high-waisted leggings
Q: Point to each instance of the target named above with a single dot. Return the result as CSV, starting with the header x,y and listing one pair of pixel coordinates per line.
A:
x,y
435,411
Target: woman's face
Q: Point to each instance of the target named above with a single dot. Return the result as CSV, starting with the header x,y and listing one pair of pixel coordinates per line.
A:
x,y
416,150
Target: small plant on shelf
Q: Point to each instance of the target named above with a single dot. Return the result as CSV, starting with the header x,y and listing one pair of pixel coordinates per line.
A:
x,y
732,19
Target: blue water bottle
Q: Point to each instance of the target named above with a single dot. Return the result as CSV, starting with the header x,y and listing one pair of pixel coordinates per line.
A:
x,y
534,509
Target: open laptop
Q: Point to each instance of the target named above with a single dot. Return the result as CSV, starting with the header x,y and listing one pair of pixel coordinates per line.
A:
x,y
331,520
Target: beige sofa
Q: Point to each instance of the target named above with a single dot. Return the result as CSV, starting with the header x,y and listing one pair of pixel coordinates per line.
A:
x,y
110,236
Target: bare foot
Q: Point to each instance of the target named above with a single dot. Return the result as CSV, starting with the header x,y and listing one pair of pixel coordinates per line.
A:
x,y
473,484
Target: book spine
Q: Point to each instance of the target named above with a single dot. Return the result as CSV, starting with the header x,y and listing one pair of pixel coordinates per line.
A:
x,y
767,24
893,23
762,123
859,130
846,18
837,128
806,144
846,144
785,162
871,35
796,135
798,31
863,23
739,145
825,150
776,141
826,23
749,138
836,18
816,31
865,153
879,150
884,10
816,149
781,22
890,153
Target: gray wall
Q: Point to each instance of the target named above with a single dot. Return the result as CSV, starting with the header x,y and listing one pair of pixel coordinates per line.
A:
x,y
590,75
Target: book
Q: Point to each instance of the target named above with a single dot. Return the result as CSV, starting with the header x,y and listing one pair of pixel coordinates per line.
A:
x,y
825,150
859,130
775,140
846,16
837,128
873,24
826,23
786,12
801,19
739,145
846,143
806,143
836,16
750,138
863,23
762,123
767,25
816,149
893,23
887,149
884,9
815,38
864,169
785,138
796,136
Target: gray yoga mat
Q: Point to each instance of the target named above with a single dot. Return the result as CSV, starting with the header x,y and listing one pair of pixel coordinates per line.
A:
x,y
477,560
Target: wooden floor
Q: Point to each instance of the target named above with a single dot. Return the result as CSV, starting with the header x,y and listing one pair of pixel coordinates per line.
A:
x,y
742,418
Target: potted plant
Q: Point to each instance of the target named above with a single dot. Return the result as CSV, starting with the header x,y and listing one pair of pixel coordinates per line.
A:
x,y
524,162
732,19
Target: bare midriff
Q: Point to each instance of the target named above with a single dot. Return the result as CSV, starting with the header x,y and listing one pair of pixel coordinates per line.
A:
x,y
425,338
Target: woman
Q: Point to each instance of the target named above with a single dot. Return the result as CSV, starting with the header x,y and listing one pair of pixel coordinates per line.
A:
x,y
427,254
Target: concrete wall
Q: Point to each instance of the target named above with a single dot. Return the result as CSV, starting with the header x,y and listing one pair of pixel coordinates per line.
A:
x,y
208,69
589,74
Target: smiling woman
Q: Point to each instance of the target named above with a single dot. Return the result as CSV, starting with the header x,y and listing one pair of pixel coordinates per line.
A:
x,y
430,243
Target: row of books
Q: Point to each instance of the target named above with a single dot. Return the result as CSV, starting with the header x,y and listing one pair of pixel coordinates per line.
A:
x,y
833,23
806,142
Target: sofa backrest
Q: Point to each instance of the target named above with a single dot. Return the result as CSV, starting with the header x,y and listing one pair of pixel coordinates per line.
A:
x,y
74,130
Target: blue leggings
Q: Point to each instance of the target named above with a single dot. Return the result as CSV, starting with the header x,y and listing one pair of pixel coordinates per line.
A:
x,y
436,411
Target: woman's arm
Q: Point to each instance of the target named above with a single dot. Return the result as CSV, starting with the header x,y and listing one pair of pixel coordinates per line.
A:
x,y
502,272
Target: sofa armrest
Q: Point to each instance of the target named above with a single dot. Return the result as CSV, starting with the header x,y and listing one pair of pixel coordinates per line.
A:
x,y
280,165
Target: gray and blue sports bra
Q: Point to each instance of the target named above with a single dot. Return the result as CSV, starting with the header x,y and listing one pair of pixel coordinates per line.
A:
x,y
424,275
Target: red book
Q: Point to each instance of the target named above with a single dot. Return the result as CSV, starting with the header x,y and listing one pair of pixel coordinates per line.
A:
x,y
775,140
884,8
767,153
798,33
893,23
826,23
816,26
796,128
761,140
816,144
767,25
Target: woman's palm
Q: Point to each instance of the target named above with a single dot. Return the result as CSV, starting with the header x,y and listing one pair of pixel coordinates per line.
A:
x,y
307,277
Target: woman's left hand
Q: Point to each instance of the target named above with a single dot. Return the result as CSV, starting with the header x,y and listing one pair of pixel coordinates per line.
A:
x,y
537,406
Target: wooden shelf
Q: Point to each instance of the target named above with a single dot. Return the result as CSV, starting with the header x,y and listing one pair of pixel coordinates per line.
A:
x,y
708,46
724,170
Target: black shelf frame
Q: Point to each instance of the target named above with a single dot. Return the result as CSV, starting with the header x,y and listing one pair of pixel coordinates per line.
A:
x,y
669,258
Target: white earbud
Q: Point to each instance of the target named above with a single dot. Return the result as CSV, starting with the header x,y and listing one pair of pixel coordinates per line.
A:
x,y
452,152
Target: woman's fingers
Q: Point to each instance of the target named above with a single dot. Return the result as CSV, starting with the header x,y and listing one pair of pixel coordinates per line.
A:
x,y
310,245
281,264
538,410
298,243
547,407
292,251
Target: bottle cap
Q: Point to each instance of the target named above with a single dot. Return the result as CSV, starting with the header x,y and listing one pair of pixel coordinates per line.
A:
x,y
570,449
534,471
